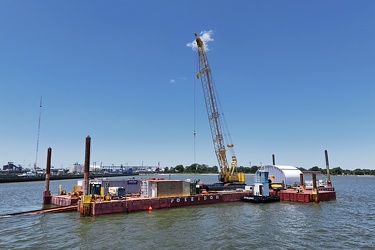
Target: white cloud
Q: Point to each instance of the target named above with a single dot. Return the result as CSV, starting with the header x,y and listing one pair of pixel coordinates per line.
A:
x,y
206,37
177,79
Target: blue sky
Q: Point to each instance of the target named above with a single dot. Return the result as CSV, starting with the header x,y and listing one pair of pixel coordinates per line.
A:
x,y
294,78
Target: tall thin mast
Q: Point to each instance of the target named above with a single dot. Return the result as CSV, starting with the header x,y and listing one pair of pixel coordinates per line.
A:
x,y
37,141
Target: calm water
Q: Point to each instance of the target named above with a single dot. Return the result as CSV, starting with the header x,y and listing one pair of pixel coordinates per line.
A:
x,y
347,223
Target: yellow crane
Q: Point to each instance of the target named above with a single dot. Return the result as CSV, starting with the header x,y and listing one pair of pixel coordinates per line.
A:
x,y
228,173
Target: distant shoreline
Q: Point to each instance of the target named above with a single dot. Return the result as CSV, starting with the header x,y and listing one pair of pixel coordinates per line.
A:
x,y
9,179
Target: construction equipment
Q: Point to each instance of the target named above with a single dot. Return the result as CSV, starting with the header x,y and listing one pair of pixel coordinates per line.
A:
x,y
228,174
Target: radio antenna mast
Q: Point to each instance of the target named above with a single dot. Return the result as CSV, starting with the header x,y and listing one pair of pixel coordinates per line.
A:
x,y
37,141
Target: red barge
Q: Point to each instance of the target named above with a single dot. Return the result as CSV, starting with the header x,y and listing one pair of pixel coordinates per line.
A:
x,y
153,194
110,197
133,204
93,205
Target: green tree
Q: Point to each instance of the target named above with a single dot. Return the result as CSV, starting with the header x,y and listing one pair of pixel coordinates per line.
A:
x,y
316,168
345,172
253,169
359,171
179,168
242,169
215,169
202,169
336,171
192,168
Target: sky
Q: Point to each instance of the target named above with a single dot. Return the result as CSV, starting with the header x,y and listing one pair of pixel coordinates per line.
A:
x,y
294,78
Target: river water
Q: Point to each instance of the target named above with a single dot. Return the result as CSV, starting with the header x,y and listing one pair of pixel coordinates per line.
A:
x,y
346,223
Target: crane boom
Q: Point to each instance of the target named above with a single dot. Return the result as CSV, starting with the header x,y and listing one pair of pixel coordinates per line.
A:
x,y
227,173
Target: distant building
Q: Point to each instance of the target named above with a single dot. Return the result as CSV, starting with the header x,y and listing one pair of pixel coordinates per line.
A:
x,y
40,171
57,171
76,168
11,167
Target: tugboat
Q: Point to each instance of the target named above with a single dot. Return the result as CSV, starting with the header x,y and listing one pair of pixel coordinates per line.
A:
x,y
261,192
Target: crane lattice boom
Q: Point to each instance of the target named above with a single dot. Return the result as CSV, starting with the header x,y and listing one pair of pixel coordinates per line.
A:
x,y
228,173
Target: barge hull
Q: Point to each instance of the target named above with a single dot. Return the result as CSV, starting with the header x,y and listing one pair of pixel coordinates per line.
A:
x,y
306,195
144,204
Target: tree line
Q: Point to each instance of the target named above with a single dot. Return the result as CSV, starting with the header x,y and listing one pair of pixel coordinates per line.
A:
x,y
205,169
340,171
196,168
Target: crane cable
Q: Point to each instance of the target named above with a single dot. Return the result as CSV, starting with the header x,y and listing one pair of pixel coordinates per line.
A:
x,y
226,132
225,128
37,141
195,70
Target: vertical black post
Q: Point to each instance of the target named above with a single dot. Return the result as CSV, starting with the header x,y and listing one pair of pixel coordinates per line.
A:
x,y
314,191
314,181
87,167
85,202
329,184
47,193
273,160
301,183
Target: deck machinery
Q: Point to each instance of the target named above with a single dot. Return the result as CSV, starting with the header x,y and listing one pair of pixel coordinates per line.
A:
x,y
228,177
